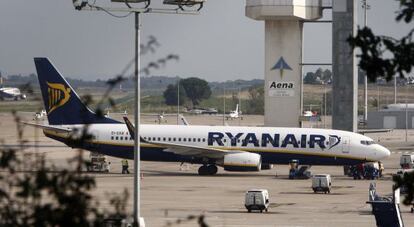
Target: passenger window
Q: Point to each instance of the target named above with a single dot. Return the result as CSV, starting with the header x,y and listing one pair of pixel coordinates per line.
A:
x,y
179,139
184,139
153,139
159,138
198,140
121,138
174,139
163,139
169,138
112,138
224,140
116,138
204,139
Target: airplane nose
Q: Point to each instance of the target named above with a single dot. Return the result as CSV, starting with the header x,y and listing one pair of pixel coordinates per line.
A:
x,y
383,152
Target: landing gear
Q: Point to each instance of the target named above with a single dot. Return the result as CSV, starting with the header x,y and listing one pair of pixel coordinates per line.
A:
x,y
207,170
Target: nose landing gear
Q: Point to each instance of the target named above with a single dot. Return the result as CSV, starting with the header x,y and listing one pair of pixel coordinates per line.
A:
x,y
205,170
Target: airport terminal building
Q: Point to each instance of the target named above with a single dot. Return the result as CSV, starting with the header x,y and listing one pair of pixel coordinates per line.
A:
x,y
394,116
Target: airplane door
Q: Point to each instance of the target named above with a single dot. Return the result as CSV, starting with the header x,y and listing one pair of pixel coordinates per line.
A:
x,y
345,144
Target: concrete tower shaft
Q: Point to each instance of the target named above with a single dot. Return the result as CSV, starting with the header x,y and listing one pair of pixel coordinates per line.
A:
x,y
283,55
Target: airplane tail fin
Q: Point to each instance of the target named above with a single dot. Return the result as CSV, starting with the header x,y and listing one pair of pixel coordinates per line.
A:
x,y
63,105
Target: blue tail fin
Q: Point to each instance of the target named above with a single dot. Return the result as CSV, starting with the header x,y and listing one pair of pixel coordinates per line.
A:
x,y
62,104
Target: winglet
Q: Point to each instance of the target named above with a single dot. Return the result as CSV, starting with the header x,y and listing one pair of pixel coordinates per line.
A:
x,y
131,129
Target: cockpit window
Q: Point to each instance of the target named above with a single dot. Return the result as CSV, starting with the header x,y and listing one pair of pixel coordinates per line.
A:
x,y
367,142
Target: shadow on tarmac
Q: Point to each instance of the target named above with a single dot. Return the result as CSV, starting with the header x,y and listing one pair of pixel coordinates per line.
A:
x,y
242,212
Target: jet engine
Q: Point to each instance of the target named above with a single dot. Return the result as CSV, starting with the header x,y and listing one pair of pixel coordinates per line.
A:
x,y
242,162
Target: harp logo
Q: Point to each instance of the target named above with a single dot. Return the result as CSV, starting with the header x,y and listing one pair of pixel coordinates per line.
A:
x,y
58,95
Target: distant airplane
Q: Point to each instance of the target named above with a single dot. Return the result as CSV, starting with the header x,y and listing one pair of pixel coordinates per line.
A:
x,y
234,114
209,111
233,148
309,113
40,115
116,113
11,93
161,117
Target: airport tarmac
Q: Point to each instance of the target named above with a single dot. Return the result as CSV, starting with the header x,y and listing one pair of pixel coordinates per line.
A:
x,y
169,193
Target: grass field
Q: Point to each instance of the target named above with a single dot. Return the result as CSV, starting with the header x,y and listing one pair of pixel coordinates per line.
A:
x,y
313,95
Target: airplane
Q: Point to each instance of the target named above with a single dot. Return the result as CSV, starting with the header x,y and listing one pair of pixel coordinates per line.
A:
x,y
309,113
40,115
161,117
233,148
234,114
11,93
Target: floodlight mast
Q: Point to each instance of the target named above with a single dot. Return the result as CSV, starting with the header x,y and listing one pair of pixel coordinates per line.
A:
x,y
84,5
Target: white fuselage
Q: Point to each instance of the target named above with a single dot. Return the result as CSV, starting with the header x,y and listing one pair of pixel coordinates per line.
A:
x,y
275,145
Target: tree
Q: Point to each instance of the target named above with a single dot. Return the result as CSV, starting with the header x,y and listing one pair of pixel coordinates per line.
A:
x,y
49,196
382,56
310,78
374,57
327,75
171,97
256,100
196,89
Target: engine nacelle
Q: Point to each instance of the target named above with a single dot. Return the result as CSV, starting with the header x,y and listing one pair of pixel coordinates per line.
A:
x,y
242,162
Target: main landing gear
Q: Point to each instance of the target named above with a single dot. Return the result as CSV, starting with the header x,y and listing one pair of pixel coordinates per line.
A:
x,y
207,170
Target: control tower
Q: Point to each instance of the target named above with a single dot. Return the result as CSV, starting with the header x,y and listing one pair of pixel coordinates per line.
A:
x,y
283,55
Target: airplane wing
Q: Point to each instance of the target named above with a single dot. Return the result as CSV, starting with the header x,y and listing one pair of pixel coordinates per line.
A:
x,y
195,151
49,127
180,149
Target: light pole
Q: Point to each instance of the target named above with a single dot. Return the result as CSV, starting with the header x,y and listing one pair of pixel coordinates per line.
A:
x,y
224,104
324,106
366,7
85,5
137,98
406,113
395,89
178,100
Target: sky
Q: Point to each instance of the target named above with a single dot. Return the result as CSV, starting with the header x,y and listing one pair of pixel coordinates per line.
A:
x,y
219,44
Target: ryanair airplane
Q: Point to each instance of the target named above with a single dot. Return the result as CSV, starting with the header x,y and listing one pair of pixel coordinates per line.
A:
x,y
233,148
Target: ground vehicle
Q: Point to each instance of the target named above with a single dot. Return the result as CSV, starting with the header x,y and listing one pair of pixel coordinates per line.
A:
x,y
407,161
371,170
98,163
257,199
296,172
321,183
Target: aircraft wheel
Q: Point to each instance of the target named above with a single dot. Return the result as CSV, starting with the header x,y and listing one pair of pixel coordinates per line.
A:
x,y
203,170
212,169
